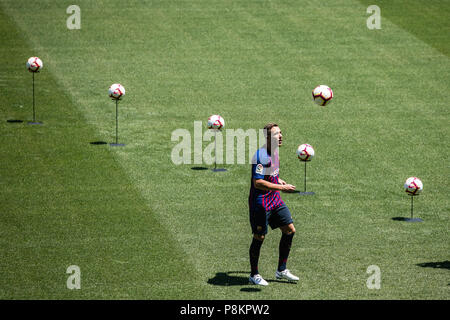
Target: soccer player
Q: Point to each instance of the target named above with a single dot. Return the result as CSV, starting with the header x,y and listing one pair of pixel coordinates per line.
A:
x,y
266,206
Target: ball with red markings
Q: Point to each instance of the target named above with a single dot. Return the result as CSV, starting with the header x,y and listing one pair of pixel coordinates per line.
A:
x,y
116,91
322,95
305,152
216,122
413,186
34,64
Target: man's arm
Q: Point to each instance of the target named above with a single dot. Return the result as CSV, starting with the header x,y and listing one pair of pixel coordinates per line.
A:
x,y
265,185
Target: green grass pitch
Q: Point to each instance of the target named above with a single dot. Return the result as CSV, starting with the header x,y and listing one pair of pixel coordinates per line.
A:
x,y
140,227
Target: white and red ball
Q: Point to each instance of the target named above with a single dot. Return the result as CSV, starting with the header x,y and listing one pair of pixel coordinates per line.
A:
x,y
34,64
413,186
322,95
116,91
305,152
216,122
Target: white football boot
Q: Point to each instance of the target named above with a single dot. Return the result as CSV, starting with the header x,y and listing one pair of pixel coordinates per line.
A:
x,y
286,274
258,280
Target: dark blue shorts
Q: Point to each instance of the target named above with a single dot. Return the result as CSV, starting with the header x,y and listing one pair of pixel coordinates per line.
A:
x,y
277,217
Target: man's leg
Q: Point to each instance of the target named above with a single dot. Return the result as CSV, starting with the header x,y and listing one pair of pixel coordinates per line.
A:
x,y
258,221
255,249
288,233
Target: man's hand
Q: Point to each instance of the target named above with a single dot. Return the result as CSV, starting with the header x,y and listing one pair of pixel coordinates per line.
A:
x,y
288,187
262,184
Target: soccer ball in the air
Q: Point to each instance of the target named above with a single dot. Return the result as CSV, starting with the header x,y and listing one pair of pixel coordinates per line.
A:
x,y
413,186
116,91
305,152
216,122
322,95
34,64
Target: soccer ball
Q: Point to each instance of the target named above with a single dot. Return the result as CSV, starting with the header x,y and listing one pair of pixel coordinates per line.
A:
x,y
116,91
322,95
413,186
305,152
34,64
216,122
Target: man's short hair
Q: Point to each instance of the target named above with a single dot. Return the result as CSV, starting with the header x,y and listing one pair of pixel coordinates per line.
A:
x,y
269,127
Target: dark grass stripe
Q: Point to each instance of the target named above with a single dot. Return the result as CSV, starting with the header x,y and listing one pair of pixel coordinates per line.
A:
x,y
427,20
67,202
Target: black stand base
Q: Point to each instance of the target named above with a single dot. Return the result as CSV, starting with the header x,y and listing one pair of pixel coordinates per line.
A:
x,y
306,193
35,123
116,144
413,220
219,170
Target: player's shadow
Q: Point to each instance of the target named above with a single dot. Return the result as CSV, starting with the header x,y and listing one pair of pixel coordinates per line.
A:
x,y
439,265
229,279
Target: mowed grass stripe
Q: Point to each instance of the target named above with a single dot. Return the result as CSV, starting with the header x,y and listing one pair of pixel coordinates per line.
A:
x,y
428,21
65,202
357,141
181,61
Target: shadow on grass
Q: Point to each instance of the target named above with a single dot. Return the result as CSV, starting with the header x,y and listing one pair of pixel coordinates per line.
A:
x,y
439,265
250,289
14,121
283,281
98,142
199,168
229,279
407,219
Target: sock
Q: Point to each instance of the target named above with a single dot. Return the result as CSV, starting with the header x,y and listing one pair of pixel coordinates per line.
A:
x,y
285,248
255,248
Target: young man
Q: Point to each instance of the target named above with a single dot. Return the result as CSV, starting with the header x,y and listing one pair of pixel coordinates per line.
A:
x,y
266,206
